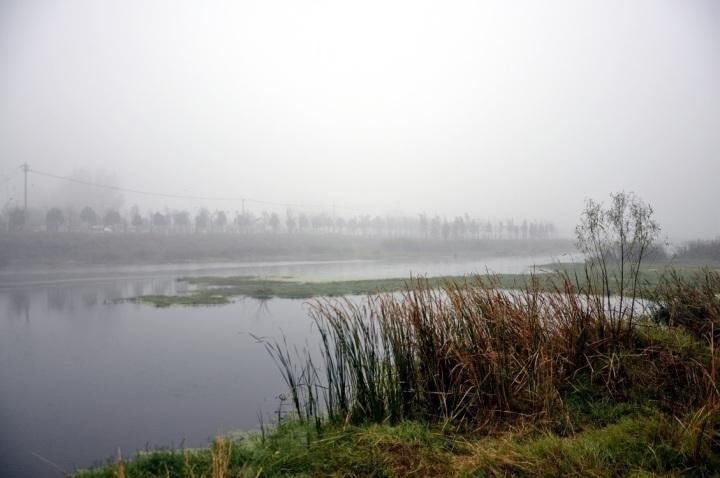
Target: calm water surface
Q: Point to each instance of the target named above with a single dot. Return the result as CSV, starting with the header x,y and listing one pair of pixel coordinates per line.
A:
x,y
81,376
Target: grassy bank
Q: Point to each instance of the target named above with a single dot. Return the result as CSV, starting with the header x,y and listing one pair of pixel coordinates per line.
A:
x,y
638,443
651,272
472,381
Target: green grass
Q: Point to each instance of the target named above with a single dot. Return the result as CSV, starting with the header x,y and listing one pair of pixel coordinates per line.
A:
x,y
651,273
631,445
626,442
294,449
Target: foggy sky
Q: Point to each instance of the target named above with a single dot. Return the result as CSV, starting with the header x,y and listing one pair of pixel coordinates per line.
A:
x,y
497,109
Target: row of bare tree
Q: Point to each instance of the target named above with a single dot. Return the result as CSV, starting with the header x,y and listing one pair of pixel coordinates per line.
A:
x,y
184,222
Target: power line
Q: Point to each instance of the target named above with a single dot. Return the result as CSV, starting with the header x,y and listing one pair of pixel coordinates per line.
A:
x,y
134,191
186,196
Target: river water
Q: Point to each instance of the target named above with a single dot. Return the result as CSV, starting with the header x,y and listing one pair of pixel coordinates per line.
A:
x,y
82,376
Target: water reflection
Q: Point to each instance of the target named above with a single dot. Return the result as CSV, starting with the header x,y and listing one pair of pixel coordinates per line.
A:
x,y
111,291
262,308
89,297
82,375
56,298
162,287
18,304
138,288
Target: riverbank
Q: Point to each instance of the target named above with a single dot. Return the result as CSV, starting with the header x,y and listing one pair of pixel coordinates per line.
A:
x,y
483,384
82,249
610,441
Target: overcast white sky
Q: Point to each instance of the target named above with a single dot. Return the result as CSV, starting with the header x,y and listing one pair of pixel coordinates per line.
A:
x,y
497,109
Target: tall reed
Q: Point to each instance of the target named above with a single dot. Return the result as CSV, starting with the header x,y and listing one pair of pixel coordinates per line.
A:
x,y
471,354
466,353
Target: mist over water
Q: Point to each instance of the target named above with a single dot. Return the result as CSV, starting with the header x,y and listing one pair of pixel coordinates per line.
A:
x,y
499,111
308,144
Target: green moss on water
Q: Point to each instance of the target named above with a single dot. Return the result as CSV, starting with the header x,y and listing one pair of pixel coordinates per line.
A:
x,y
220,290
192,299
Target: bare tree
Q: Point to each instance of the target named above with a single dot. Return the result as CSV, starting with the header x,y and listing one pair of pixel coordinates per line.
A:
x,y
16,219
202,220
137,220
290,221
88,216
274,222
112,219
220,221
181,221
303,221
615,240
54,219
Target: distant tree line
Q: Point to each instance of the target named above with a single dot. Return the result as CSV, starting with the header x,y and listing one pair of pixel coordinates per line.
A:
x,y
465,227
700,250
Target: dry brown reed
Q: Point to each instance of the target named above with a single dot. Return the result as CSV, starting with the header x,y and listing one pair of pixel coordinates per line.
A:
x,y
474,356
465,354
220,453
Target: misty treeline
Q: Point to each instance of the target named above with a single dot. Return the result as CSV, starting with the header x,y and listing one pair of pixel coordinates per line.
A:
x,y
58,220
699,250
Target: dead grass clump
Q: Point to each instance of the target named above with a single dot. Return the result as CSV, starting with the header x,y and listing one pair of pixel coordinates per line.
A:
x,y
692,303
220,453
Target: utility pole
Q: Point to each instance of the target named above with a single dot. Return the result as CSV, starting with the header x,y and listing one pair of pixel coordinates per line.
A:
x,y
243,206
25,169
